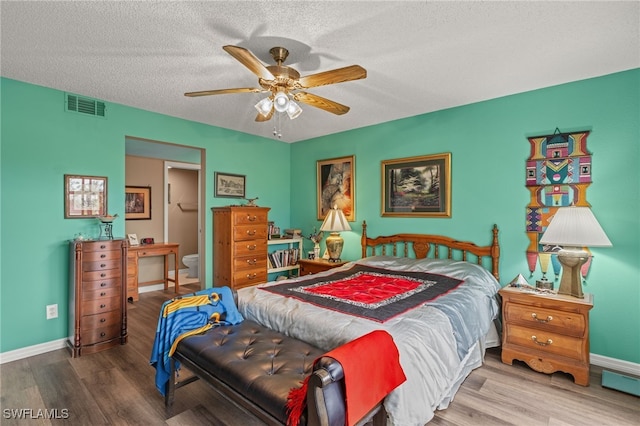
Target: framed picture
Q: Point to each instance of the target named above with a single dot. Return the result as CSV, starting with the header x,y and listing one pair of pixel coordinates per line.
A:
x,y
85,196
417,186
336,183
133,239
229,185
137,204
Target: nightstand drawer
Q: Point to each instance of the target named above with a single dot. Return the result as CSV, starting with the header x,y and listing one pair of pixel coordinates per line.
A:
x,y
546,341
568,323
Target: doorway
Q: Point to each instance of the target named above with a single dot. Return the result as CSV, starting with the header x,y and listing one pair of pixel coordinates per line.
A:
x,y
182,215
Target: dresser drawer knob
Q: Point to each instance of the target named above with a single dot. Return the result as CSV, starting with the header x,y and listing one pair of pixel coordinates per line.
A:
x,y
252,262
251,276
252,247
535,317
251,233
547,343
103,294
103,284
103,265
103,334
103,306
102,256
103,275
103,320
103,246
252,218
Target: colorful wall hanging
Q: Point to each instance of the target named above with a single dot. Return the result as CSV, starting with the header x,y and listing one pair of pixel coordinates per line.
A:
x,y
558,172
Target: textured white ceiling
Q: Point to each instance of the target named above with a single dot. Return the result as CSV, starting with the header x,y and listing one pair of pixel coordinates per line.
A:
x,y
420,56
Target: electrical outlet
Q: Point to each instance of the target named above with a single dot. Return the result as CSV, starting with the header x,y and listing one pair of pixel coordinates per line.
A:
x,y
52,311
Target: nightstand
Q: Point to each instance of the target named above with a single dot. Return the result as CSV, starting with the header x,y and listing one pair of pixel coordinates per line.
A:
x,y
308,266
549,332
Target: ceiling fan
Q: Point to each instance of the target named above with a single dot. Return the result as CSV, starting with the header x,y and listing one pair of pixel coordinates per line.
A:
x,y
285,84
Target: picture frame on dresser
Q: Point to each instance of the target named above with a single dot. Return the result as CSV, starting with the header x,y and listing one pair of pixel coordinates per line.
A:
x,y
137,205
228,185
336,186
417,186
84,196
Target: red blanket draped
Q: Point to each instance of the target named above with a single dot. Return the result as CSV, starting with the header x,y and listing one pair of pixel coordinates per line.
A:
x,y
371,365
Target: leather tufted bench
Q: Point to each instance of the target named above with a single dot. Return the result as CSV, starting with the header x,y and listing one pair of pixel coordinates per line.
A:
x,y
256,367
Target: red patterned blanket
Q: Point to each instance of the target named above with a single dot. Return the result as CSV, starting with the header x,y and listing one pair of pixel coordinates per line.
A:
x,y
374,293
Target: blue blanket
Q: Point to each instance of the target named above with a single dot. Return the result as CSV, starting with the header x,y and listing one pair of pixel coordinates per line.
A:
x,y
186,315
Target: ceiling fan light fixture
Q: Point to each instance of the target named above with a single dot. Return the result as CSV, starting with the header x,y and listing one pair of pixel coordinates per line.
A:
x,y
293,110
264,106
281,101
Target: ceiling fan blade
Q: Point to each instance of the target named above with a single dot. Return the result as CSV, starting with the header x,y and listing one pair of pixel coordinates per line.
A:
x,y
320,102
261,117
340,75
247,59
225,91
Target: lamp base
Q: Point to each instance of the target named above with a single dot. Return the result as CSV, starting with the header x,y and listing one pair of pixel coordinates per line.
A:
x,y
334,246
572,260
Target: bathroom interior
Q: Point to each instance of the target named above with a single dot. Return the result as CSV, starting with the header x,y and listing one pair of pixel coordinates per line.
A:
x,y
173,175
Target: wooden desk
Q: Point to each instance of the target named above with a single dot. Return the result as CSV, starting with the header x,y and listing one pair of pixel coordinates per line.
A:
x,y
149,250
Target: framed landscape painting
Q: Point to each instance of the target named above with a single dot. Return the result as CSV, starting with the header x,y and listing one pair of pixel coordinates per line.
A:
x,y
417,186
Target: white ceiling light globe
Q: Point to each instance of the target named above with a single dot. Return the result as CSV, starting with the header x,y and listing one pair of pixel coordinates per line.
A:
x,y
281,102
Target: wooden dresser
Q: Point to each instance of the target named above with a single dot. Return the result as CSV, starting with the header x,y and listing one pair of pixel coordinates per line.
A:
x,y
548,332
97,295
239,246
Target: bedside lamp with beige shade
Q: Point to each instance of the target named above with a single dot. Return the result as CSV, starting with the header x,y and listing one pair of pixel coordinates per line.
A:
x,y
574,228
335,222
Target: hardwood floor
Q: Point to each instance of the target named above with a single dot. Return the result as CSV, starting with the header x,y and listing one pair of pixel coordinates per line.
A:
x,y
116,387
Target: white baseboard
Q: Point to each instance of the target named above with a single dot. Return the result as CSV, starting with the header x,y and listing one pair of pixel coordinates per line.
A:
x,y
615,364
42,348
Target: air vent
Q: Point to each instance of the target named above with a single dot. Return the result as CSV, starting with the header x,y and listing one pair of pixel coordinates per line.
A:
x,y
82,105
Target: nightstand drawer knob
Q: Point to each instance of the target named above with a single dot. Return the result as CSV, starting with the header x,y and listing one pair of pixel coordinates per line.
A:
x,y
535,317
547,343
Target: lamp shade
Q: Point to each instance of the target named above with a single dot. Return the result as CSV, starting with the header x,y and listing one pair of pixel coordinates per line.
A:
x,y
335,221
575,227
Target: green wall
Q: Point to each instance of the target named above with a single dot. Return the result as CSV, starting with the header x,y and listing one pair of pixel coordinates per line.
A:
x,y
488,142
489,147
41,142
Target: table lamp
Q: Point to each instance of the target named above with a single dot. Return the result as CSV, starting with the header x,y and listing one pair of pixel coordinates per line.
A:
x,y
335,222
574,228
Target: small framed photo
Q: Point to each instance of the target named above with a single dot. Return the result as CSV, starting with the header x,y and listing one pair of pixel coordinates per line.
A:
x,y
417,186
137,205
133,239
230,185
85,196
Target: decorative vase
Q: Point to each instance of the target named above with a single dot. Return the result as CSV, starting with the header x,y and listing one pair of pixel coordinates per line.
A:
x,y
316,251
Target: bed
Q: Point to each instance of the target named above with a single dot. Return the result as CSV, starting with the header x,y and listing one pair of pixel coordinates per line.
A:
x,y
440,340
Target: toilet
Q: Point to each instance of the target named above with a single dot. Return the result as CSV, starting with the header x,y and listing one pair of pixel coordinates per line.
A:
x,y
192,261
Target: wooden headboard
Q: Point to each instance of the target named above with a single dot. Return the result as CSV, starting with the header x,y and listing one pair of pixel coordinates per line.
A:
x,y
421,245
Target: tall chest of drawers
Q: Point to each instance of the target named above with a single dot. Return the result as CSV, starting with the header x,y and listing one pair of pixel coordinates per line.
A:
x,y
239,246
546,331
97,295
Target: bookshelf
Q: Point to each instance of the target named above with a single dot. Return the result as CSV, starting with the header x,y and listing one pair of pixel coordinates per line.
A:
x,y
283,255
